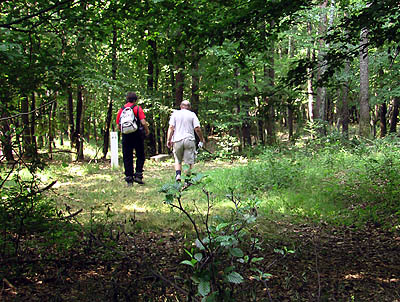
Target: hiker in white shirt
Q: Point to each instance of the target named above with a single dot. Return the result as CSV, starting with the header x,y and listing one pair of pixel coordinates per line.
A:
x,y
182,126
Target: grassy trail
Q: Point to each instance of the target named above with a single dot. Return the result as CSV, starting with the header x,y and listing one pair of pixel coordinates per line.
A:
x,y
95,187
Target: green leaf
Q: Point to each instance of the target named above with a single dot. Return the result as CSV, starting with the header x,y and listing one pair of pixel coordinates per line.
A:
x,y
221,226
236,252
234,277
204,288
198,256
199,245
256,259
190,263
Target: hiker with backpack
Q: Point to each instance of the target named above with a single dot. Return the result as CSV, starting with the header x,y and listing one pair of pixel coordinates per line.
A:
x,y
182,126
131,121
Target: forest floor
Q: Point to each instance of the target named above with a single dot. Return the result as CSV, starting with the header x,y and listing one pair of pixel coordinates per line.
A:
x,y
329,263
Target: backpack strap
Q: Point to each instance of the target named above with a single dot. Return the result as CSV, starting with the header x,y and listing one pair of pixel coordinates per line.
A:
x,y
137,113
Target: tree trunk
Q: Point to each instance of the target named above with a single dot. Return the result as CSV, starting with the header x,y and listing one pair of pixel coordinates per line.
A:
x,y
114,62
259,116
364,86
270,112
71,127
52,110
290,119
32,125
310,87
5,136
150,90
246,125
382,119
195,99
395,114
320,104
78,141
179,80
26,134
344,108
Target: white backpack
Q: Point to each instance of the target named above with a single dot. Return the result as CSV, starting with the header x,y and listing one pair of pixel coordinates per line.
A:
x,y
128,121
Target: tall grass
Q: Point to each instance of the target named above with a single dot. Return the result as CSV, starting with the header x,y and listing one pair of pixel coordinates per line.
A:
x,y
353,183
329,180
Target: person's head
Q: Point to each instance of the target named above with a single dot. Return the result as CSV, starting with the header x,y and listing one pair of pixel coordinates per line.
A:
x,y
131,97
185,104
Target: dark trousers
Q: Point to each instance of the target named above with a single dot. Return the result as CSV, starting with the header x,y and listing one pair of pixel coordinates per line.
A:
x,y
129,142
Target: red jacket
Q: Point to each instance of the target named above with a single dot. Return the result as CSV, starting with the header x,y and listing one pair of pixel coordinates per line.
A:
x,y
141,113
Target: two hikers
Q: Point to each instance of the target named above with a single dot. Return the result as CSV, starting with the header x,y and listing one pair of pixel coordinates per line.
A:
x,y
183,125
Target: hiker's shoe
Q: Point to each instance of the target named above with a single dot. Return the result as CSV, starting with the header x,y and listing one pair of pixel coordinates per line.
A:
x,y
139,180
178,177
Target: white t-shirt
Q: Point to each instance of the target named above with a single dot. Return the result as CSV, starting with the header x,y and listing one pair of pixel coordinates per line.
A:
x,y
184,122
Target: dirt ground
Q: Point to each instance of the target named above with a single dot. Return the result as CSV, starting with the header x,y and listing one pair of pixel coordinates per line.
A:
x,y
328,264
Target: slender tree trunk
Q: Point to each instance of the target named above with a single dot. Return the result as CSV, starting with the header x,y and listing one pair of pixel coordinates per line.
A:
x,y
344,107
310,87
320,105
26,135
259,116
106,141
179,79
52,110
246,123
395,114
270,113
195,99
290,106
70,107
290,119
364,86
5,136
382,119
150,90
32,124
78,141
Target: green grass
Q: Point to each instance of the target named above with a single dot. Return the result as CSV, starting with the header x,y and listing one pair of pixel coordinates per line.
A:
x,y
333,183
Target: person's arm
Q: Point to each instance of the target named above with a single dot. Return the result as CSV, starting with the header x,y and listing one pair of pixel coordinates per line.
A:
x,y
145,126
171,130
199,134
118,116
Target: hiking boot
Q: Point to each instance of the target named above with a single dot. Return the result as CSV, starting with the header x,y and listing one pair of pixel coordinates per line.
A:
x,y
138,178
129,181
178,177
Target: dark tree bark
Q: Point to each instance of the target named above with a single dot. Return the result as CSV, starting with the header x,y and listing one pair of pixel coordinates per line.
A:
x,y
70,107
195,99
395,114
33,123
106,141
270,114
5,137
52,110
78,141
382,119
179,83
26,134
152,62
344,106
320,104
364,86
310,85
290,119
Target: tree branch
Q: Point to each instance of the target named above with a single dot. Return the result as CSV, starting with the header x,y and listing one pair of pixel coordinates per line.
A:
x,y
45,10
